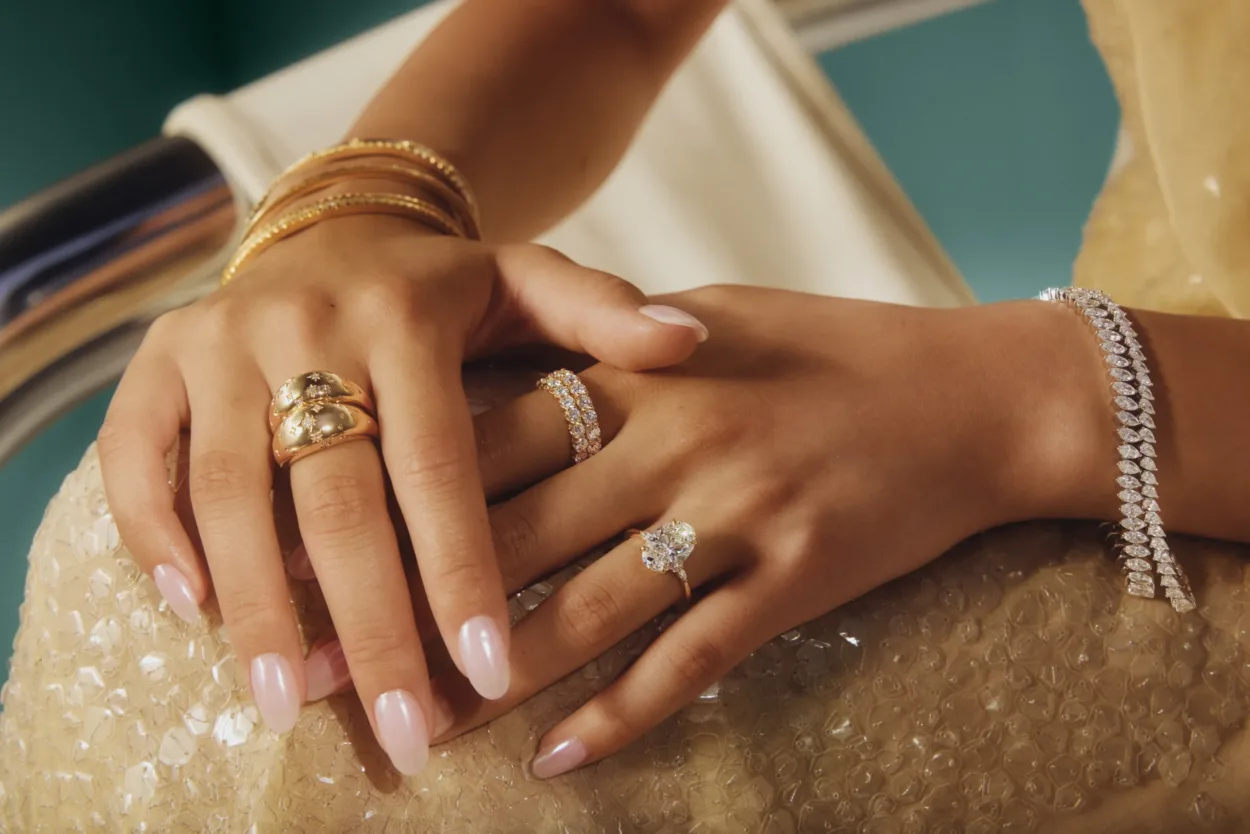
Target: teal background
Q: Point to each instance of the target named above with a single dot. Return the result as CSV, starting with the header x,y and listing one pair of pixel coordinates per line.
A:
x,y
998,121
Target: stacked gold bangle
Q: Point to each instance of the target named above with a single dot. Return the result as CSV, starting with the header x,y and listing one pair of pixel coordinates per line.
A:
x,y
443,202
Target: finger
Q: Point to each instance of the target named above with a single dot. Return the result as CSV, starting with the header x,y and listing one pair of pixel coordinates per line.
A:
x,y
340,500
559,519
427,438
143,423
526,439
699,649
551,299
596,609
231,478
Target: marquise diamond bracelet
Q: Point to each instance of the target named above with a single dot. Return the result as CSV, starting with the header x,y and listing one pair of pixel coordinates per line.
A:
x,y
1144,552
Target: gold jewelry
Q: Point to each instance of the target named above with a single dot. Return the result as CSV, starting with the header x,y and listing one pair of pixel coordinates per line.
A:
x,y
313,427
444,196
666,550
579,412
315,387
343,205
396,148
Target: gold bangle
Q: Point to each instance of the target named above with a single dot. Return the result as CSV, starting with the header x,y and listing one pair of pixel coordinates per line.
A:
x,y
398,148
445,196
343,205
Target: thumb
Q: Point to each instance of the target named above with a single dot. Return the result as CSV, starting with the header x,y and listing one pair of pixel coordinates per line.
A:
x,y
552,300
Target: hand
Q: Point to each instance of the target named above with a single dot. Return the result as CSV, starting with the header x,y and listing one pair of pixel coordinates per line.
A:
x,y
398,311
820,448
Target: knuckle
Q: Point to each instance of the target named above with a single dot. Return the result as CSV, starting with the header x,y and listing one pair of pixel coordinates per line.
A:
x,y
377,646
588,614
300,317
218,477
381,302
431,467
337,505
700,432
461,575
253,621
166,327
220,320
515,536
696,660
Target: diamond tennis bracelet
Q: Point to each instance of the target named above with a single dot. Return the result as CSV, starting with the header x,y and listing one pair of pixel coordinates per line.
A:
x,y
1144,552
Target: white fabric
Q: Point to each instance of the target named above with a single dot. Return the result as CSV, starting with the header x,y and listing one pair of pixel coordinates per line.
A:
x,y
733,179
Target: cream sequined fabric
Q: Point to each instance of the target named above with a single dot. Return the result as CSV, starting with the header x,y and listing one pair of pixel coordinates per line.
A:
x,y
1009,686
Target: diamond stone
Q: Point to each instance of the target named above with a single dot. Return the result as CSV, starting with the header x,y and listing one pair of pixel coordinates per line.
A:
x,y
1141,589
1139,578
1136,353
1147,406
1128,452
1130,510
1128,467
1110,335
1149,478
1132,524
1124,389
1146,393
1148,464
1137,551
1128,482
1183,606
1116,361
1169,581
1121,375
1151,505
1149,491
1135,537
1147,421
668,548
1129,496
1127,419
1154,519
1114,347
1137,565
1166,569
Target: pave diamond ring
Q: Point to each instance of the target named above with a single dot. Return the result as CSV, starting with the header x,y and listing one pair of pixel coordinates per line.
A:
x,y
666,549
579,412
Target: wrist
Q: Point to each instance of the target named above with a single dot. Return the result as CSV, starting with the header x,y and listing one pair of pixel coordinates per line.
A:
x,y
1055,429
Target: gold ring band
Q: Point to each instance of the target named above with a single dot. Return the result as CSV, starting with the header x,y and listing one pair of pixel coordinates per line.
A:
x,y
579,412
666,549
314,427
315,387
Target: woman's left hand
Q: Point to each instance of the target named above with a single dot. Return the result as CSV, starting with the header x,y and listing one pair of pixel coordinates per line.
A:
x,y
819,447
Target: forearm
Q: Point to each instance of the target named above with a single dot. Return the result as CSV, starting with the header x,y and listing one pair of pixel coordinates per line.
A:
x,y
537,101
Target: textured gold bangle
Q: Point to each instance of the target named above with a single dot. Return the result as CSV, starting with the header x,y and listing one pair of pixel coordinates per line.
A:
x,y
397,148
445,196
343,205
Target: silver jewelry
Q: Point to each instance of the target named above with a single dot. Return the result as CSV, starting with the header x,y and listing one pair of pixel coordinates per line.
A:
x,y
1144,551
665,550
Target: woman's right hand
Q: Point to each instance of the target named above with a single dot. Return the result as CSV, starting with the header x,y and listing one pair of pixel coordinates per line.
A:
x,y
385,304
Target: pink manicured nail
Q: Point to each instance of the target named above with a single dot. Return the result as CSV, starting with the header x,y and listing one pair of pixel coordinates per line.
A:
x,y
562,758
401,730
326,670
485,661
298,565
176,590
273,687
671,315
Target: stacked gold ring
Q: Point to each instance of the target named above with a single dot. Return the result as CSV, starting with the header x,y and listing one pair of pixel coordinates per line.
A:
x,y
318,410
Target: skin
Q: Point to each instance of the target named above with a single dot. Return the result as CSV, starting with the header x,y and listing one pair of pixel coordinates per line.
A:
x,y
822,447
792,441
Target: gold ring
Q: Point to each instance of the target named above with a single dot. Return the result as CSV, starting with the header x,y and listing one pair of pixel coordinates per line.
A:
x,y
665,550
312,427
315,387
579,412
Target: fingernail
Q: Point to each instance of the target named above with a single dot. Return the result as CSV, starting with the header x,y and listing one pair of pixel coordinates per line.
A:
x,y
176,590
326,670
443,716
671,315
562,758
401,730
298,565
484,659
273,687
